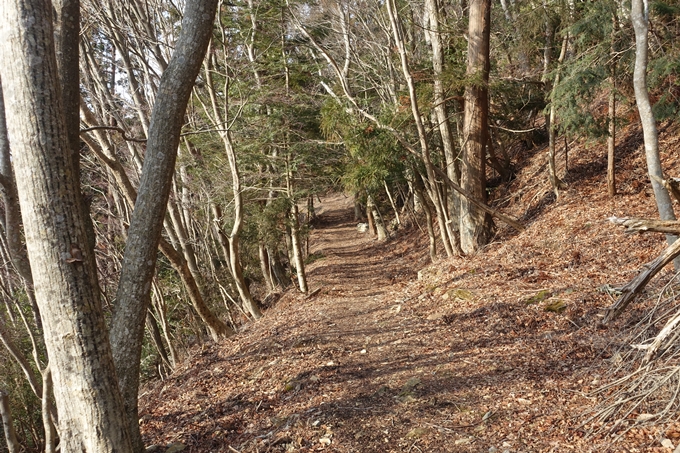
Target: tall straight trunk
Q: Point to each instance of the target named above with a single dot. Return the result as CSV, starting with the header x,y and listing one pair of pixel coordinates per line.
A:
x,y
48,411
91,411
611,111
451,202
639,16
12,221
167,118
475,224
418,189
433,192
555,181
297,259
611,138
265,268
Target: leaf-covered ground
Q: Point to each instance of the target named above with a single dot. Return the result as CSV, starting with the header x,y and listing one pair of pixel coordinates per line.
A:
x,y
490,353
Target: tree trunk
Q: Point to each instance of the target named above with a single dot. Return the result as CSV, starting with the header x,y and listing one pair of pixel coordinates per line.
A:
x,y
611,111
452,202
155,333
418,189
91,412
555,181
247,300
51,437
639,16
265,268
475,224
15,248
7,424
127,325
611,138
393,204
379,224
278,271
298,259
432,191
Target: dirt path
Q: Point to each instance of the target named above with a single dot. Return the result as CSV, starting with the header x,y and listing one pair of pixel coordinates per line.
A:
x,y
379,361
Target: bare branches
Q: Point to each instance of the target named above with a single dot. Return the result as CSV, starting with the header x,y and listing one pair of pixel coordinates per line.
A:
x,y
114,128
649,270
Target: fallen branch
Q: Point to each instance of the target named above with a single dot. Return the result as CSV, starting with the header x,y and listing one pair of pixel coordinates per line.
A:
x,y
633,225
649,270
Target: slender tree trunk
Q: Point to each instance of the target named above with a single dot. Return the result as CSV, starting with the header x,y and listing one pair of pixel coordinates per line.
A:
x,y
91,412
555,181
219,119
452,202
379,224
475,224
48,411
429,223
7,424
247,300
265,268
611,138
611,112
397,32
157,339
127,325
297,259
393,204
639,16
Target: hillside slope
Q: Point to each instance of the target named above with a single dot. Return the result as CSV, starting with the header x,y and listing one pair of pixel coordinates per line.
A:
x,y
464,358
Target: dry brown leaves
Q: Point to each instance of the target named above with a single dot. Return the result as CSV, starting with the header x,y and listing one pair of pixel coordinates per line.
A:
x,y
494,352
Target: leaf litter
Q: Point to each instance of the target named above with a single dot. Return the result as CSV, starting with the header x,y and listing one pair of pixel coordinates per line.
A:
x,y
495,352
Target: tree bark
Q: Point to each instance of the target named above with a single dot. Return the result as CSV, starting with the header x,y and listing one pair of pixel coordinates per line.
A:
x,y
219,119
91,412
555,181
611,111
639,16
452,202
475,224
133,299
379,224
433,192
7,424
16,250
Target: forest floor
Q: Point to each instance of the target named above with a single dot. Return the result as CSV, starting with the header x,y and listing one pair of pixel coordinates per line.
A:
x,y
395,354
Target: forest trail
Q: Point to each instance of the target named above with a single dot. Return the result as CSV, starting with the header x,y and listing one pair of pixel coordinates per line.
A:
x,y
379,360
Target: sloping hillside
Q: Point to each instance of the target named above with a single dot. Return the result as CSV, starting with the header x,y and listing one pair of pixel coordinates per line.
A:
x,y
493,352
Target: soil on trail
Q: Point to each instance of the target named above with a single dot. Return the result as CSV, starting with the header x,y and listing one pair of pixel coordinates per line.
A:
x,y
389,354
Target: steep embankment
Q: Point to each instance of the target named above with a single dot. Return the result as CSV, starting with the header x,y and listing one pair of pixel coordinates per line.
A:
x,y
466,358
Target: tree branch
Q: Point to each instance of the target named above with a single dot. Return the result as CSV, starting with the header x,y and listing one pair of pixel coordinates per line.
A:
x,y
114,128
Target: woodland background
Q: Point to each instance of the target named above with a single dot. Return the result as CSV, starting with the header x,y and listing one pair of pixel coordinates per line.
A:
x,y
421,111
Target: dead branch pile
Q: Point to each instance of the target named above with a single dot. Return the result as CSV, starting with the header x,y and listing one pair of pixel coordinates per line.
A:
x,y
647,389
